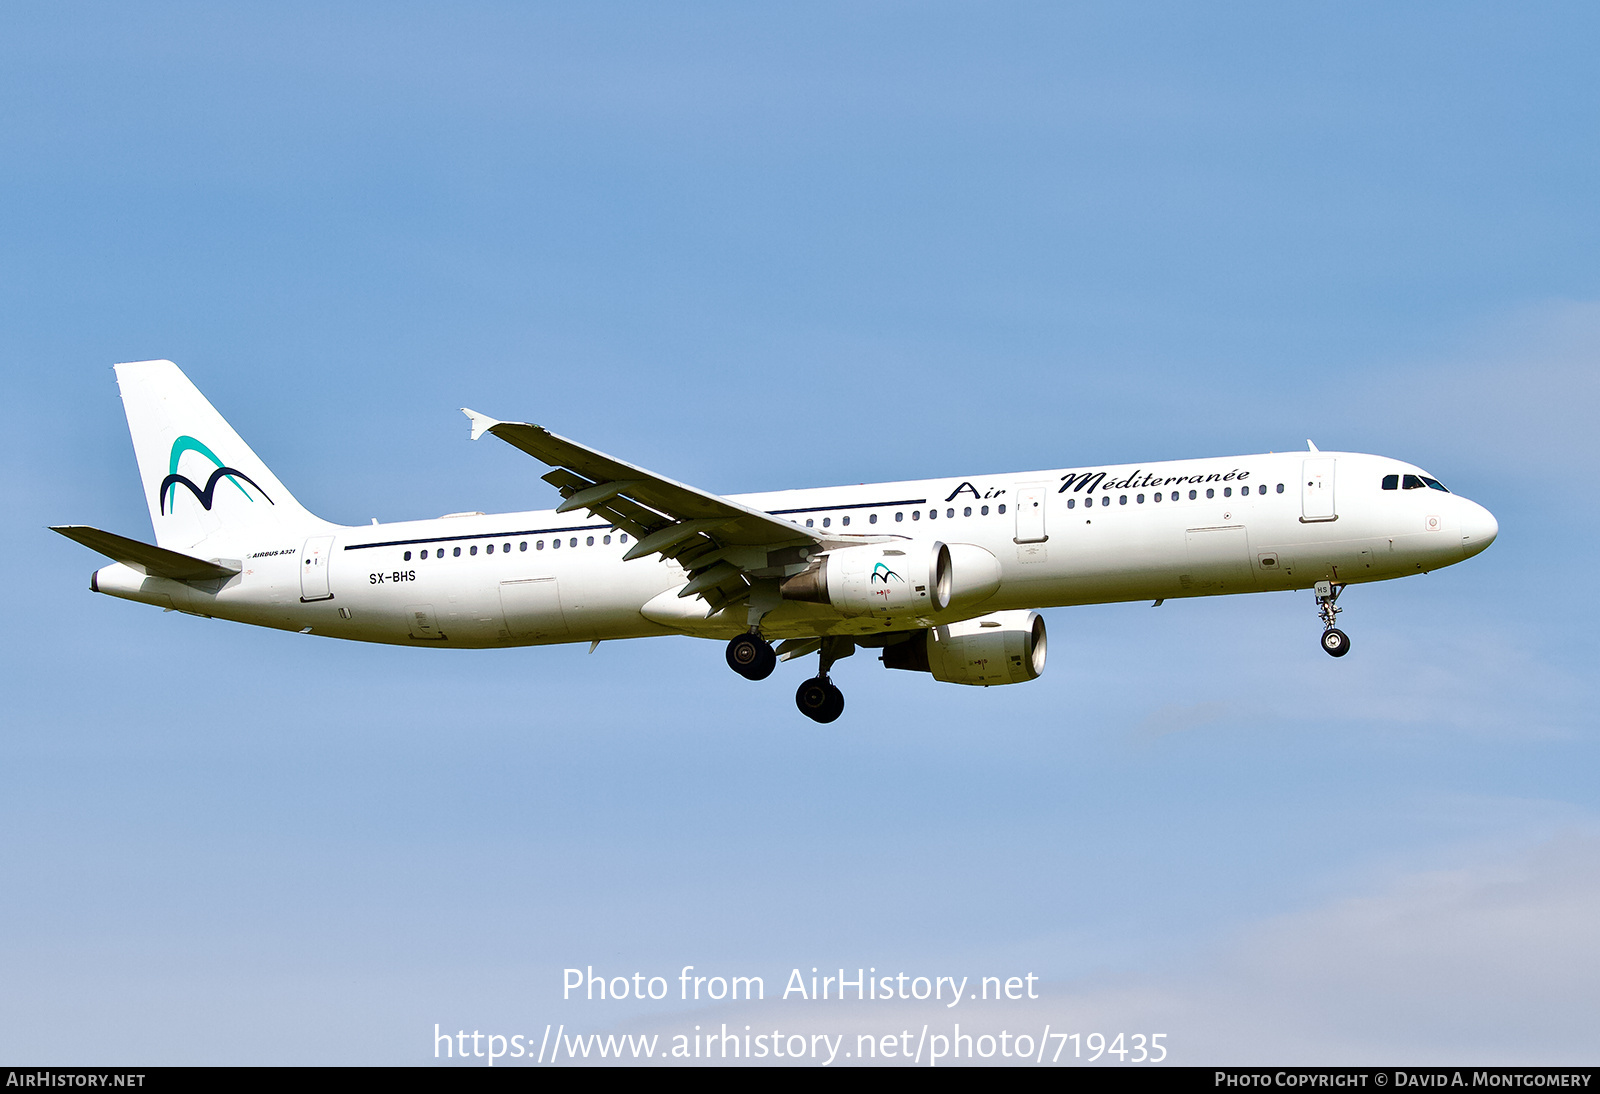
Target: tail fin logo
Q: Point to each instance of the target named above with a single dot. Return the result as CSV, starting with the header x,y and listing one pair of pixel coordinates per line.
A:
x,y
170,484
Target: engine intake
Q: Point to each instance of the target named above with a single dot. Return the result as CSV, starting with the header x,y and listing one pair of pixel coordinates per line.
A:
x,y
1003,648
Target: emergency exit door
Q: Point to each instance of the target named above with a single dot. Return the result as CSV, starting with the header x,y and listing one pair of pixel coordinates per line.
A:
x,y
1030,513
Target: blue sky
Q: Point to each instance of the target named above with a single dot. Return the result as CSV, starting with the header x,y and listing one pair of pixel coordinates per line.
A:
x,y
758,249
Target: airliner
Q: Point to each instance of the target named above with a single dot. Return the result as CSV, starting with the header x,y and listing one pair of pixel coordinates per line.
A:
x,y
943,576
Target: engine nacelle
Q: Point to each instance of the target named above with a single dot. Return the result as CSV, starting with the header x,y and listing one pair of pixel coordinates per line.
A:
x,y
975,575
1003,648
903,578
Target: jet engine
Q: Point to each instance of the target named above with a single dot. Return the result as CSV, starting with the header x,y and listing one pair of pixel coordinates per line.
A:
x,y
1003,648
902,578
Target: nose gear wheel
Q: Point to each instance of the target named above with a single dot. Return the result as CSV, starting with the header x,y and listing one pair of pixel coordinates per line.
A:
x,y
1336,642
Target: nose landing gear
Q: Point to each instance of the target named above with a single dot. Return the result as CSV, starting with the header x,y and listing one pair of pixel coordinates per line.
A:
x,y
1334,641
751,657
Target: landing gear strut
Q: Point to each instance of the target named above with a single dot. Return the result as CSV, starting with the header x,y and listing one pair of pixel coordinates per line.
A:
x,y
1334,641
817,698
751,657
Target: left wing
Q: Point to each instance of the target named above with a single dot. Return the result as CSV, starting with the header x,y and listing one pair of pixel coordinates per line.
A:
x,y
719,541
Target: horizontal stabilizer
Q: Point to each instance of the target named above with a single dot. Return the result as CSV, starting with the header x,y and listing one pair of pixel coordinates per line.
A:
x,y
154,561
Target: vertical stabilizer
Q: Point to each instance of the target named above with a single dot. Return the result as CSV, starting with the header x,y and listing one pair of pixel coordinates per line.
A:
x,y
201,481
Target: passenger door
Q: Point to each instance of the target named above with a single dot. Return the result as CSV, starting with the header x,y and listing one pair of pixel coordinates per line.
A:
x,y
1316,490
314,560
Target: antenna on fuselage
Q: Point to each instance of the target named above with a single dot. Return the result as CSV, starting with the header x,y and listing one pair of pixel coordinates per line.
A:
x,y
1311,446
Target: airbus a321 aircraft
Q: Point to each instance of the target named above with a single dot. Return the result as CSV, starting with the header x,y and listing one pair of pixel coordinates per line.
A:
x,y
943,576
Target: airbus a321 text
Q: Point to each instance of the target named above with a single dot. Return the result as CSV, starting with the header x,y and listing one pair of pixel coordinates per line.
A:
x,y
943,576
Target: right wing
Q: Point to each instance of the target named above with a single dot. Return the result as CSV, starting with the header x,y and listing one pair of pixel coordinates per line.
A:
x,y
717,540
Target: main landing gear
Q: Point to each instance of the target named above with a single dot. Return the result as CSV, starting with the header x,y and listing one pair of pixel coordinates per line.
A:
x,y
751,657
1334,641
817,698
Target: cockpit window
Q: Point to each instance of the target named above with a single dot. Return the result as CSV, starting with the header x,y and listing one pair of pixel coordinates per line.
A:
x,y
1413,482
1391,482
1434,484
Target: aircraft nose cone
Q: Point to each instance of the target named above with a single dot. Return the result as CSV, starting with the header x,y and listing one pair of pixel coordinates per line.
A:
x,y
1478,529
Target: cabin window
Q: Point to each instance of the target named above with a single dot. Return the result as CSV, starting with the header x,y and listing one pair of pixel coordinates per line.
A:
x,y
623,538
826,521
1174,495
1001,510
845,521
1193,494
589,542
555,545
949,512
456,552
1139,499
408,556
1072,503
1122,500
573,542
873,519
967,512
473,549
539,546
424,554
489,549
933,514
1156,496
916,514
1210,493
899,517
1227,491
523,546
605,539
810,523
984,511
505,548
1280,488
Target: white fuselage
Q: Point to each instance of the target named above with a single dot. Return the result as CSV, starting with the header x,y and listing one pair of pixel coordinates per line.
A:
x,y
1136,532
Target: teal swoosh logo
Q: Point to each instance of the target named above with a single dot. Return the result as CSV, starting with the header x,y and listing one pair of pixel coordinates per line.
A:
x,y
170,484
